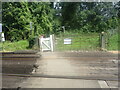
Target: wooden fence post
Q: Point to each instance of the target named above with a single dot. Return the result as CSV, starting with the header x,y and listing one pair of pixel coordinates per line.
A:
x,y
51,41
103,41
40,41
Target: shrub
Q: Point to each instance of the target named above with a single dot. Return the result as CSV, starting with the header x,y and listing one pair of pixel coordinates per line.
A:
x,y
31,41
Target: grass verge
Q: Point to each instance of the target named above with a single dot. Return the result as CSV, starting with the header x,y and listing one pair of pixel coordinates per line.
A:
x,y
113,42
14,46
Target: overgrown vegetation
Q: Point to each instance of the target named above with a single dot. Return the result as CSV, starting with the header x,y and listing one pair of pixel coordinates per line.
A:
x,y
17,17
44,19
79,41
14,46
90,17
48,17
113,42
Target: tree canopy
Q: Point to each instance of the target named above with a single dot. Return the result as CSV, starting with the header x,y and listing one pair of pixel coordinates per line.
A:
x,y
47,17
17,17
92,16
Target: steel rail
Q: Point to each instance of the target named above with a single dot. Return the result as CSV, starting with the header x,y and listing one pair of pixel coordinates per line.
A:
x,y
62,77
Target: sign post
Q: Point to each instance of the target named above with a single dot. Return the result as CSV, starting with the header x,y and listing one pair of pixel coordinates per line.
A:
x,y
0,32
2,38
63,27
0,27
31,28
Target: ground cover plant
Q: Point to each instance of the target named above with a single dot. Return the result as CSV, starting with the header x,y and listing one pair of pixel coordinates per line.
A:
x,y
79,41
14,46
44,18
113,42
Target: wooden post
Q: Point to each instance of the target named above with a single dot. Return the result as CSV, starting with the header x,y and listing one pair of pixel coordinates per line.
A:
x,y
40,40
51,41
103,41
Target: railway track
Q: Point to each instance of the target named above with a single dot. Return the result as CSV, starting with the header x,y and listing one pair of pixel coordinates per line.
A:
x,y
19,61
18,67
109,78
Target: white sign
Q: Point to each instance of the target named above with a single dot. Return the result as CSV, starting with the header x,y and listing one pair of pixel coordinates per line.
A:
x,y
0,27
3,38
67,41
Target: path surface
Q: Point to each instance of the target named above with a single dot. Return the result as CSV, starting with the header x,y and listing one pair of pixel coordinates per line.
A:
x,y
74,70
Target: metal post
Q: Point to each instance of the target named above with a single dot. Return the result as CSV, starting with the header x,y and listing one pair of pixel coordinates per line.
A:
x,y
31,28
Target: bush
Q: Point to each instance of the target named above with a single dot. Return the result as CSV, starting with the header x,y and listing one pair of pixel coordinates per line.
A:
x,y
31,41
14,46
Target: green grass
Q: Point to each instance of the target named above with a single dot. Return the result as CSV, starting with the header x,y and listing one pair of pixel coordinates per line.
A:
x,y
113,42
85,41
80,41
14,46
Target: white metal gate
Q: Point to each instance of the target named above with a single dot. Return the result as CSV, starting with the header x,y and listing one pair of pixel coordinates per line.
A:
x,y
46,44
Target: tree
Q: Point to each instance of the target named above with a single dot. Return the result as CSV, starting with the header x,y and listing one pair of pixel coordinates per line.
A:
x,y
16,20
0,12
89,16
42,15
69,12
18,15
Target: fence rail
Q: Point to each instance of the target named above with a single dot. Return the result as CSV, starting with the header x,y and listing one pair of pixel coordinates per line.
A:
x,y
78,42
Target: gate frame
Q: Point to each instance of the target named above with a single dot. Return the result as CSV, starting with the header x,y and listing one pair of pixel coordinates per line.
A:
x,y
42,41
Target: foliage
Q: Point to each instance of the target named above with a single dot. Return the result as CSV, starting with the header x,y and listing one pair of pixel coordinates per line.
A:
x,y
89,16
32,41
14,46
113,42
0,12
75,16
16,20
42,17
18,15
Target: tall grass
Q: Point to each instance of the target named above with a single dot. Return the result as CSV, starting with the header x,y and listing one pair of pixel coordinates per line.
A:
x,y
80,41
14,46
113,42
